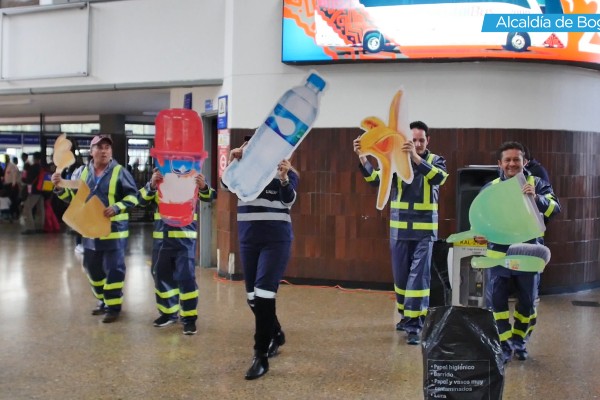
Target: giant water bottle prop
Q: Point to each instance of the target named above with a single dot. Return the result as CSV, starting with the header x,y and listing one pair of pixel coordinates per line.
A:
x,y
179,152
503,214
276,139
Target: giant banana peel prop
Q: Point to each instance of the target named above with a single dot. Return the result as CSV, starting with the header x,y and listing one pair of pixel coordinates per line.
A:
x,y
62,156
384,142
83,215
87,216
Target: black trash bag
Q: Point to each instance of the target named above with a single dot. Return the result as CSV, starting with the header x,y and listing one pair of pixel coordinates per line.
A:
x,y
440,292
462,357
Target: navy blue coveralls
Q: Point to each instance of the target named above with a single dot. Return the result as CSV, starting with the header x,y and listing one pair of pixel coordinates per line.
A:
x,y
104,258
173,266
526,283
265,235
413,228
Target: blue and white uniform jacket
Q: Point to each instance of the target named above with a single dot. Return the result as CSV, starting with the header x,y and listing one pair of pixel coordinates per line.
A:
x,y
115,188
414,206
267,218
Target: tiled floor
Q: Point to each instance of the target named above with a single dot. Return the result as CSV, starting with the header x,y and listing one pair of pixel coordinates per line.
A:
x,y
340,345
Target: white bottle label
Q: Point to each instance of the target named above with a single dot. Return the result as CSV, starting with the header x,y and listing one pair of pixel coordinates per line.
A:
x,y
286,125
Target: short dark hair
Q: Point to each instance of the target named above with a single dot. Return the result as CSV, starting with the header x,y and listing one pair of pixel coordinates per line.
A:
x,y
15,160
37,155
527,153
509,146
420,125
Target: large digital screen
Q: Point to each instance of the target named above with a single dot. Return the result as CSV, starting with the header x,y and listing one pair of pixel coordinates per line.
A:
x,y
327,31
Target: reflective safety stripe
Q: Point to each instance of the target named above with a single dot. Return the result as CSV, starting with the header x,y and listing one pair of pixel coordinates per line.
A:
x,y
116,235
145,195
175,235
98,296
120,217
426,206
113,302
97,283
504,336
157,217
399,224
266,216
206,195
400,306
551,206
374,175
166,295
112,186
524,319
399,291
264,203
521,333
250,295
400,205
187,296
190,313
265,294
131,198
113,286
67,193
170,310
414,314
501,315
182,234
417,293
425,226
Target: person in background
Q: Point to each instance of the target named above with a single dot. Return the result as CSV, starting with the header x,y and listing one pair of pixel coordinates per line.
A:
x,y
534,167
5,204
173,260
265,235
35,198
12,184
514,337
413,226
104,258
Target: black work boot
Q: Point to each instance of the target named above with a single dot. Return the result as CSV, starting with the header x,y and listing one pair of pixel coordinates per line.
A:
x,y
259,367
278,340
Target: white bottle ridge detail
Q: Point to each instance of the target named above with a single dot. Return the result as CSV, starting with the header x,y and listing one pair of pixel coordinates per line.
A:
x,y
275,140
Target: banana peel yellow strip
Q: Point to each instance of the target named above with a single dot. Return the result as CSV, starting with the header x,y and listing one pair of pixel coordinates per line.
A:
x,y
384,142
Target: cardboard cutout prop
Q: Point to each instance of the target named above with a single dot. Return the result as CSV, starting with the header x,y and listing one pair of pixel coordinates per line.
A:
x,y
276,139
503,214
87,217
526,257
384,142
83,215
179,152
62,156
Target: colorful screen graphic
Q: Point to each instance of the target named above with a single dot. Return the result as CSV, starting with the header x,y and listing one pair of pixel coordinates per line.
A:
x,y
326,31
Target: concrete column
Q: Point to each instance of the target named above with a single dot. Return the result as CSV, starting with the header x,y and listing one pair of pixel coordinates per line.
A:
x,y
114,125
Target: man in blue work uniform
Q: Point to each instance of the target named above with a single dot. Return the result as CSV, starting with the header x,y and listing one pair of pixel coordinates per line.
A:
x,y
173,261
514,338
104,258
413,227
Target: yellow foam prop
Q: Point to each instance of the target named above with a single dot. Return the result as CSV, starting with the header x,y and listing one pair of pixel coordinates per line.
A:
x,y
384,142
87,217
62,156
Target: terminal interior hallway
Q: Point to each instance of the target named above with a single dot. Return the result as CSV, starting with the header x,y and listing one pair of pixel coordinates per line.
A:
x,y
340,345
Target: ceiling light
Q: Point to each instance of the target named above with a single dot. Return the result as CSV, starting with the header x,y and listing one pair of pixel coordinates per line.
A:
x,y
19,102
